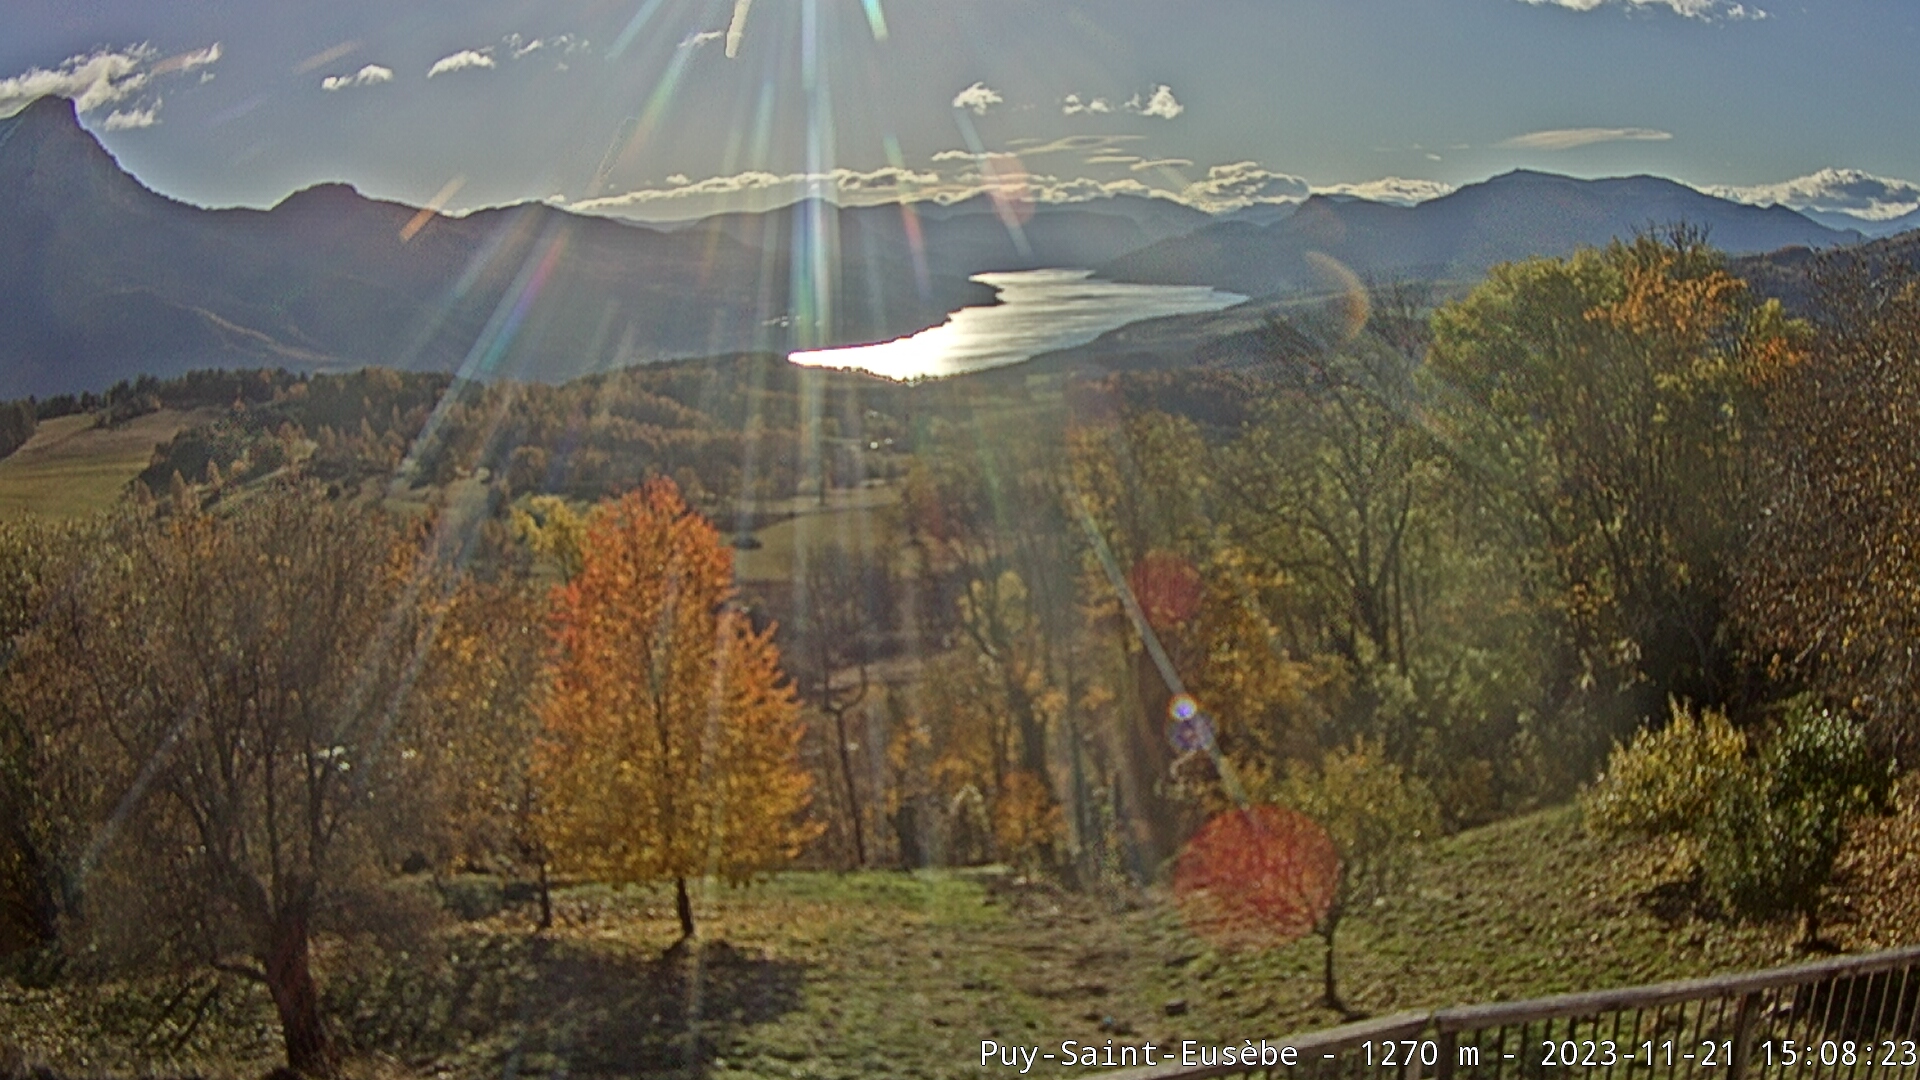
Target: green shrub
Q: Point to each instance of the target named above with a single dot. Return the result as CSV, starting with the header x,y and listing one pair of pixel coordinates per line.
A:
x,y
1665,781
1768,845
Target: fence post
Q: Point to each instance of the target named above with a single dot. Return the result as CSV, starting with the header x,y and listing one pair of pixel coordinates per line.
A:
x,y
1744,1019
1449,1053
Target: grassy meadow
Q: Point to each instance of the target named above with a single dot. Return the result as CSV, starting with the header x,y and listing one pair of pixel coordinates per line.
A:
x,y
71,468
886,973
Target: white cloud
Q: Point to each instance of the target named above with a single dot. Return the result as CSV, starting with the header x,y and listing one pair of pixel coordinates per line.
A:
x,y
957,175
1570,138
893,182
371,75
987,175
1243,183
1073,106
460,61
1704,10
513,46
694,41
1389,189
565,44
978,98
1160,103
1849,191
104,77
127,119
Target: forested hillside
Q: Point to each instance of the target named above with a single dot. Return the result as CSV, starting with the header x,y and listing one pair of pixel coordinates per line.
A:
x,y
371,650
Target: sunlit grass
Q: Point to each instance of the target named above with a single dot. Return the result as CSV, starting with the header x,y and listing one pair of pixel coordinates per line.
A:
x,y
70,468
885,973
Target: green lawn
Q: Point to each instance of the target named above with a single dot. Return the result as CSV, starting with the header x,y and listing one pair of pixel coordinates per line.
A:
x,y
845,522
818,974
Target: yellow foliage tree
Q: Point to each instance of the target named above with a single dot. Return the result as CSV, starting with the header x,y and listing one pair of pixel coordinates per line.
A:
x,y
670,745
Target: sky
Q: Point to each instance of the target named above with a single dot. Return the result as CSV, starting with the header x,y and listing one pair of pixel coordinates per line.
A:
x,y
665,109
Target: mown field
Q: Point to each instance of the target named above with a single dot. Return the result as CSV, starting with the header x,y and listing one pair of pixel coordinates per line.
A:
x,y
884,973
71,468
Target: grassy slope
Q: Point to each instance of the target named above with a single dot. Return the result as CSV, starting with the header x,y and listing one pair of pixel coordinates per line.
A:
x,y
845,522
883,973
71,468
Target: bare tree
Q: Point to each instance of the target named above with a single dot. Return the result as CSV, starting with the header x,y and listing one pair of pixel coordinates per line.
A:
x,y
841,617
237,683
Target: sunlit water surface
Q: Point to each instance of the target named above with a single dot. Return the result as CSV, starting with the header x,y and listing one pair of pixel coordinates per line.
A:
x,y
1037,311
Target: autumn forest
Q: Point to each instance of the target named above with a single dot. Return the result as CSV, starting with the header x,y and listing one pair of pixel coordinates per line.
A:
x,y
365,660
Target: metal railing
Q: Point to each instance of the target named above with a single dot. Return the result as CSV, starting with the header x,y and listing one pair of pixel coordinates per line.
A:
x,y
1851,1015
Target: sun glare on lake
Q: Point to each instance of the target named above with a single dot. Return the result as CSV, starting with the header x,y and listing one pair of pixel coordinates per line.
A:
x,y
1037,311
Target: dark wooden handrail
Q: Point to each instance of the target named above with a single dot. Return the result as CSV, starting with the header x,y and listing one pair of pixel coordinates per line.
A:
x,y
1771,1022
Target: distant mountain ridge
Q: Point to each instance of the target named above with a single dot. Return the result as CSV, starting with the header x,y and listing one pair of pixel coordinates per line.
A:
x,y
101,279
968,237
1461,235
1835,219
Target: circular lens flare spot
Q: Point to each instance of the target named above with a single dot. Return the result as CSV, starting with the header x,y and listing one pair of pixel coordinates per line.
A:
x,y
1256,878
1183,707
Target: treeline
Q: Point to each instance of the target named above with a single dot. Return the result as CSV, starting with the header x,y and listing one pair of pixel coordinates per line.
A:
x,y
741,429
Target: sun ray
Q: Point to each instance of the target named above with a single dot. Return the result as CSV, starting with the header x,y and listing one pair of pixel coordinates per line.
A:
x,y
737,27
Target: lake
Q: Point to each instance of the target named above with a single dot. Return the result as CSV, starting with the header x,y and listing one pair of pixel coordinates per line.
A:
x,y
1036,311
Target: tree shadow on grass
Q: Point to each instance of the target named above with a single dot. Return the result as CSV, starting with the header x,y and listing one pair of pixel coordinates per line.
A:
x,y
592,1013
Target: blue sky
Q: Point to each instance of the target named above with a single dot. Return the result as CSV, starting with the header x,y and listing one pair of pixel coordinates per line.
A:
x,y
633,106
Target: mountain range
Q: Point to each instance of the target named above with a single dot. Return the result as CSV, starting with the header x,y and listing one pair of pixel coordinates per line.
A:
x,y
1458,236
102,279
1834,219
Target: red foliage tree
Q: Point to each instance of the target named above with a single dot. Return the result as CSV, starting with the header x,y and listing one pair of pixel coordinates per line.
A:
x,y
1168,588
1257,878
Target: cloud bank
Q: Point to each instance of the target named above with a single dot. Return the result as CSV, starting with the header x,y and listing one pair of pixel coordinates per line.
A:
x,y
1243,183
1703,10
1016,174
104,77
889,181
1390,189
1847,191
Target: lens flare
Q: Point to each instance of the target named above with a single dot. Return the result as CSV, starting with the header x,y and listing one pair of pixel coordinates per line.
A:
x,y
737,27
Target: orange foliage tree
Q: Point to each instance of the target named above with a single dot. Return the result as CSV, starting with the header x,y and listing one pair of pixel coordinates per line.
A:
x,y
670,745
